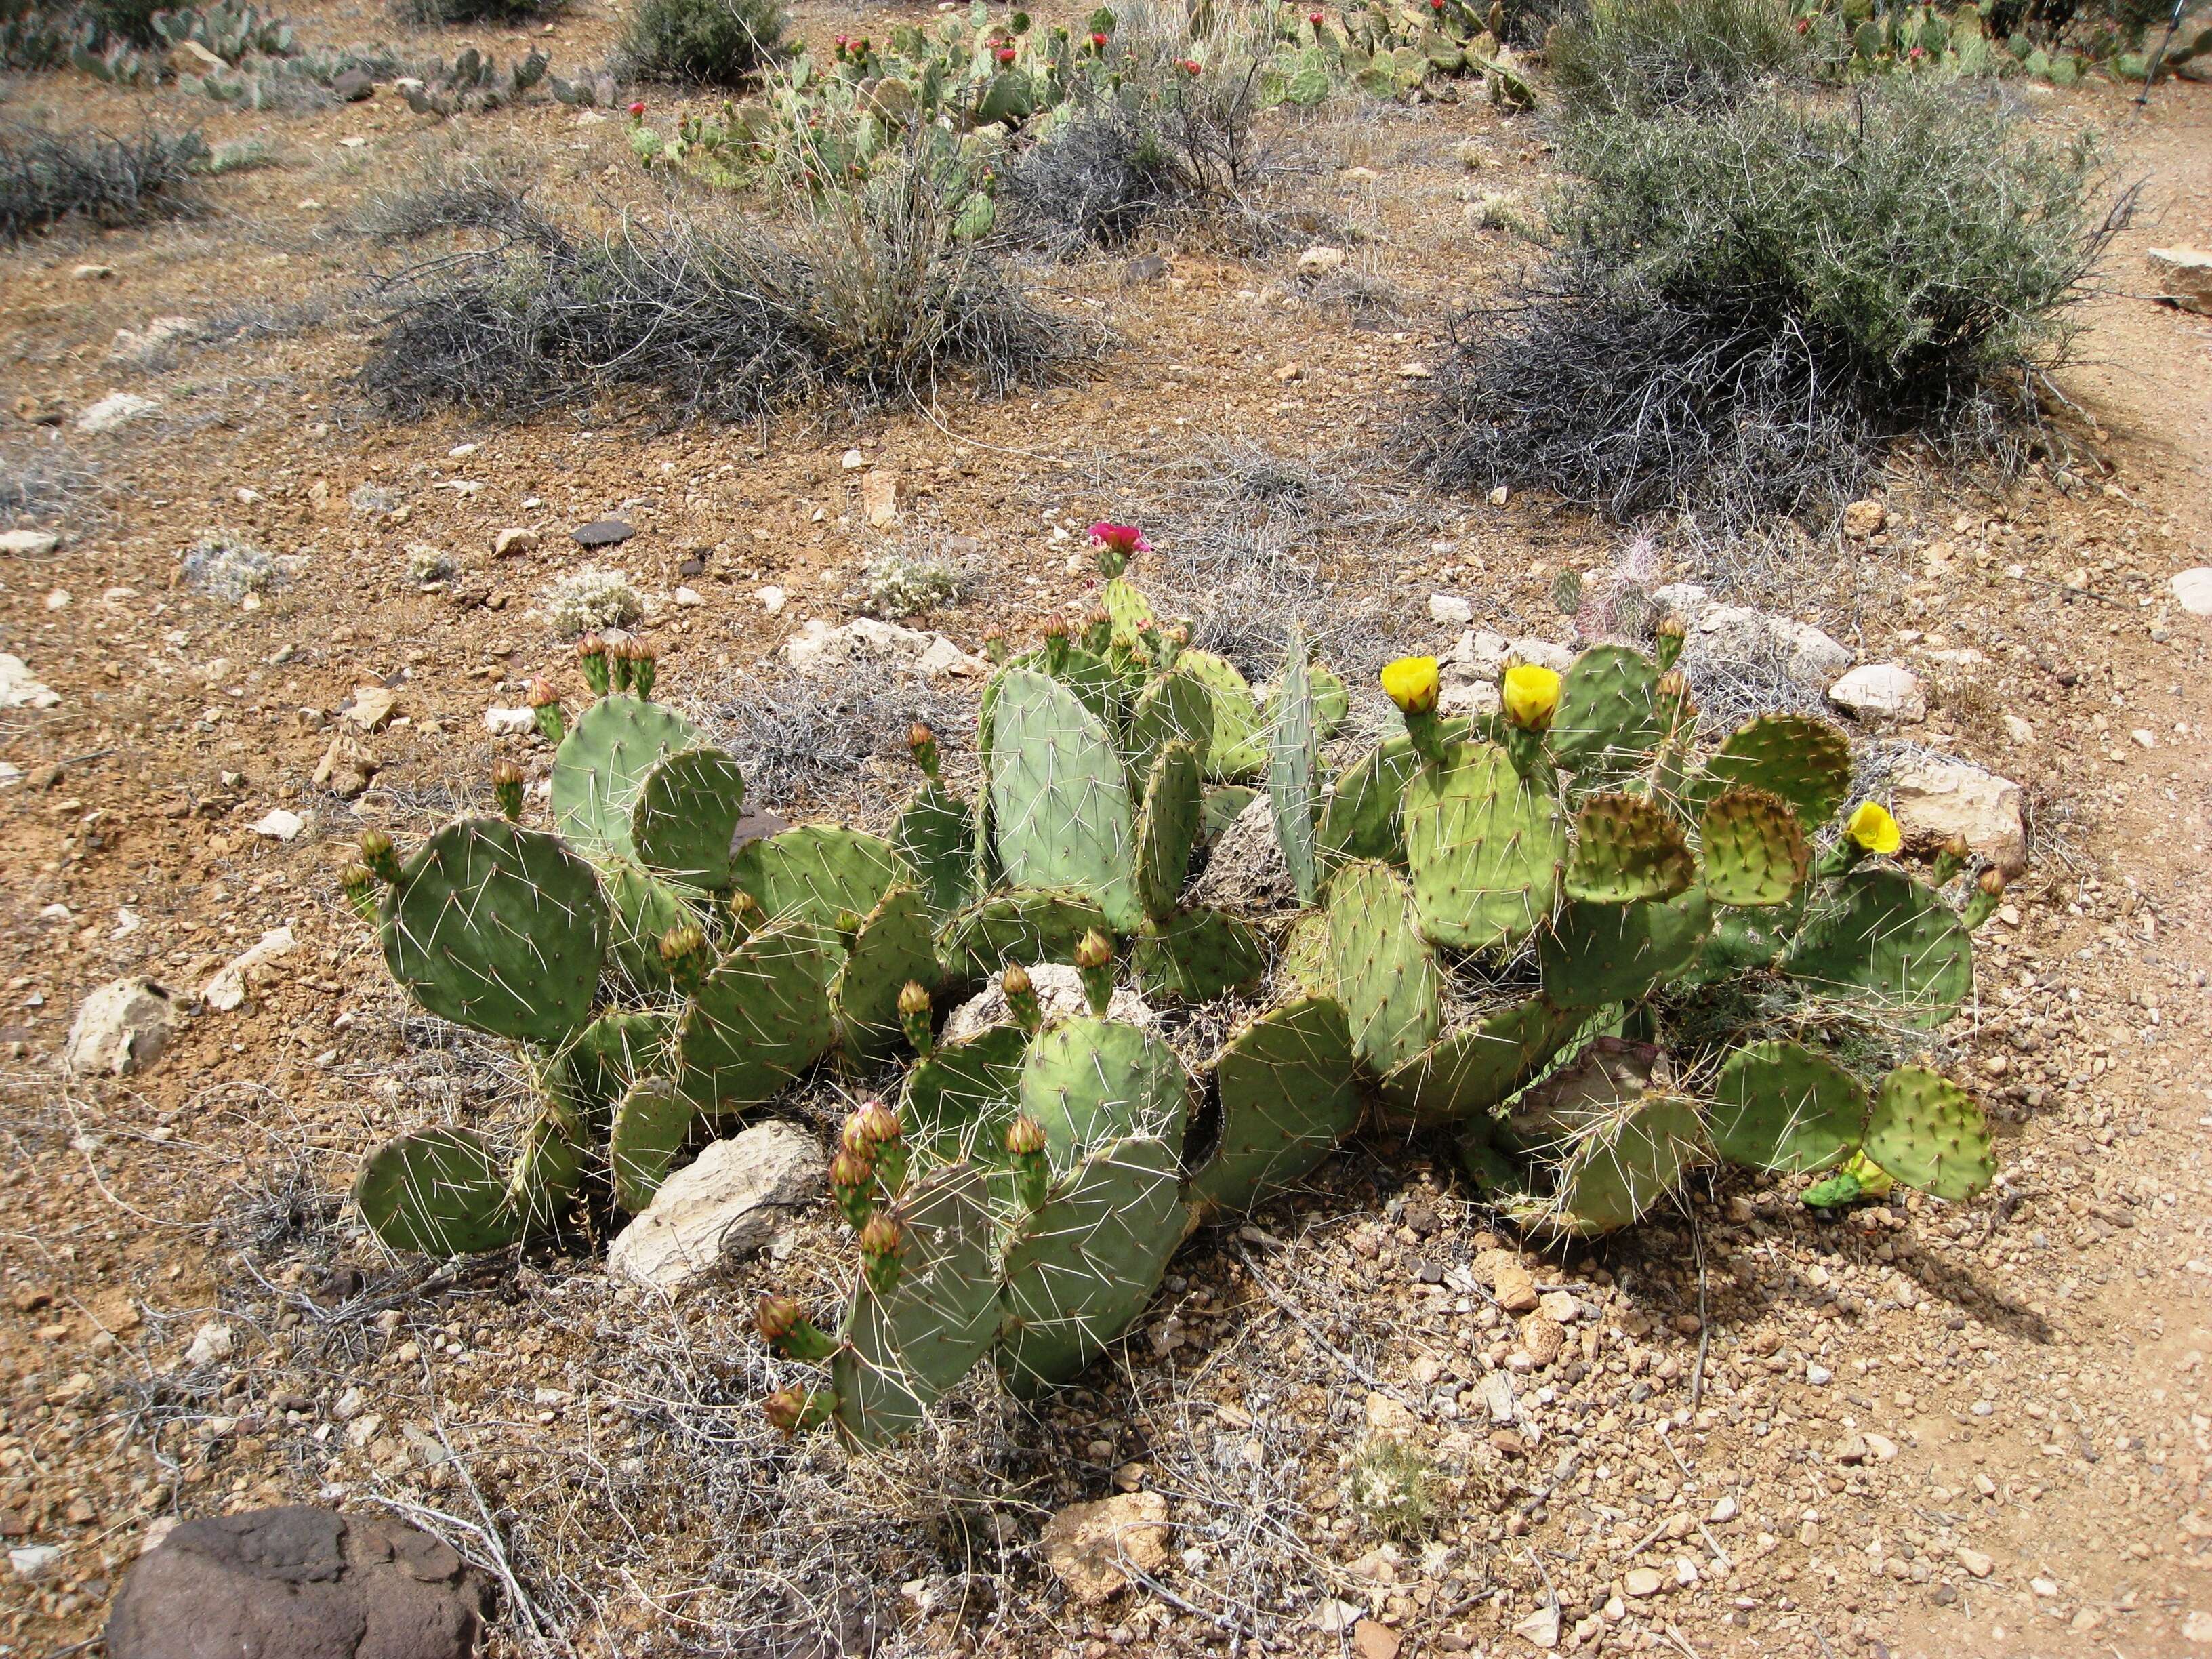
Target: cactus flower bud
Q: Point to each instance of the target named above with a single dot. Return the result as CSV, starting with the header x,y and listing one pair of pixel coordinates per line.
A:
x,y
591,656
914,1015
1413,683
1025,1144
883,1242
1991,881
853,1182
995,643
506,788
1097,630
644,667
874,1125
1055,627
1021,997
791,1410
784,1326
921,744
1531,696
1674,686
545,704
359,883
684,953
1982,903
1094,960
1871,828
1951,858
1025,1136
1667,641
381,857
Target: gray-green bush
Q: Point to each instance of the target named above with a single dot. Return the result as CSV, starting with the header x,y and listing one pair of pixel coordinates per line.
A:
x,y
1636,57
721,43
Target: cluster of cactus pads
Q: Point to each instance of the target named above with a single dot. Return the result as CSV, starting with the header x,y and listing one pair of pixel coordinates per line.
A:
x,y
1594,949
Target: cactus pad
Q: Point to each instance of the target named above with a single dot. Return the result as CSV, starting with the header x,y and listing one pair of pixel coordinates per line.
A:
x,y
1618,1169
685,818
1805,761
1627,849
547,1169
1755,852
1383,974
439,1191
1197,954
1175,707
893,945
1223,807
1302,962
1092,1080
1294,771
1167,828
1285,1091
500,929
816,872
649,1129
641,908
1362,819
762,1017
603,1060
1025,925
1784,1107
1606,725
936,837
1059,806
1925,1131
904,1346
602,763
1484,848
1237,747
1467,1072
1084,1264
1883,938
1597,954
959,1100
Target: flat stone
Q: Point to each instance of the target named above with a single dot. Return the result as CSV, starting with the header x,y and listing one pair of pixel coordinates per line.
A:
x,y
29,543
298,1581
2192,590
1935,800
880,497
280,824
19,691
117,409
1880,690
347,767
2184,276
510,722
1371,1640
119,1029
738,1195
371,708
514,541
1975,1562
1540,1629
250,968
1642,1581
1059,990
823,652
1449,611
1092,1547
603,533
1735,634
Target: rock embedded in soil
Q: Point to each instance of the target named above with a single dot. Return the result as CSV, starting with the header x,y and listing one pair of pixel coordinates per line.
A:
x,y
1246,871
602,532
737,1196
1730,635
298,1581
1059,994
822,651
2192,590
1863,519
1935,800
1880,690
117,409
121,1028
1091,1547
29,543
2184,276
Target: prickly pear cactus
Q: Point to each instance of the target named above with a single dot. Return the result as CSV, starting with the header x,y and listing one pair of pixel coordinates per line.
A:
x,y
602,765
1484,846
1059,800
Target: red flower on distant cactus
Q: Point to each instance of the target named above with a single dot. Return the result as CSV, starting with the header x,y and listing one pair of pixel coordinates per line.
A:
x,y
1804,26
637,110
1006,54
1191,66
1124,539
1313,17
1916,54
1098,43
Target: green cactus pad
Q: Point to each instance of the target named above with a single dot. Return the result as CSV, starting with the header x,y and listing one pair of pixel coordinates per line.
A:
x,y
1741,941
1027,924
1302,960
936,837
1597,954
1082,1266
1197,954
601,1062
1284,1086
762,1017
1382,972
1094,682
1606,725
547,1169
1628,848
959,1101
1620,1167
1362,819
641,908
904,1346
1175,707
1805,761
685,818
1167,828
816,872
1467,1072
1880,938
649,1129
1484,848
1490,1170
893,947
441,1192
1059,806
1126,607
1755,852
500,929
602,763
1781,1106
1236,746
1294,771
1092,1080
1927,1132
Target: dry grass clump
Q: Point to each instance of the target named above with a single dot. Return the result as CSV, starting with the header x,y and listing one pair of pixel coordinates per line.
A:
x,y
49,177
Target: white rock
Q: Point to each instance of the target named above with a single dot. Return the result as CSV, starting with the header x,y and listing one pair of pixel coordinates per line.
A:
x,y
31,544
370,707
514,541
211,1343
119,1029
1685,601
509,722
823,652
854,460
2018,730
1477,655
279,824
1935,800
160,331
688,597
1474,699
2185,276
2193,589
116,409
771,599
1319,259
1880,690
738,1195
1540,1628
1818,1375
1449,611
32,1562
226,990
19,691
1059,994
1729,634
1540,653
880,496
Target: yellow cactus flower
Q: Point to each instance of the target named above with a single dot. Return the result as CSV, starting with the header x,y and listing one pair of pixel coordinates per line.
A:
x,y
1531,696
1873,830
1411,682
1874,1181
